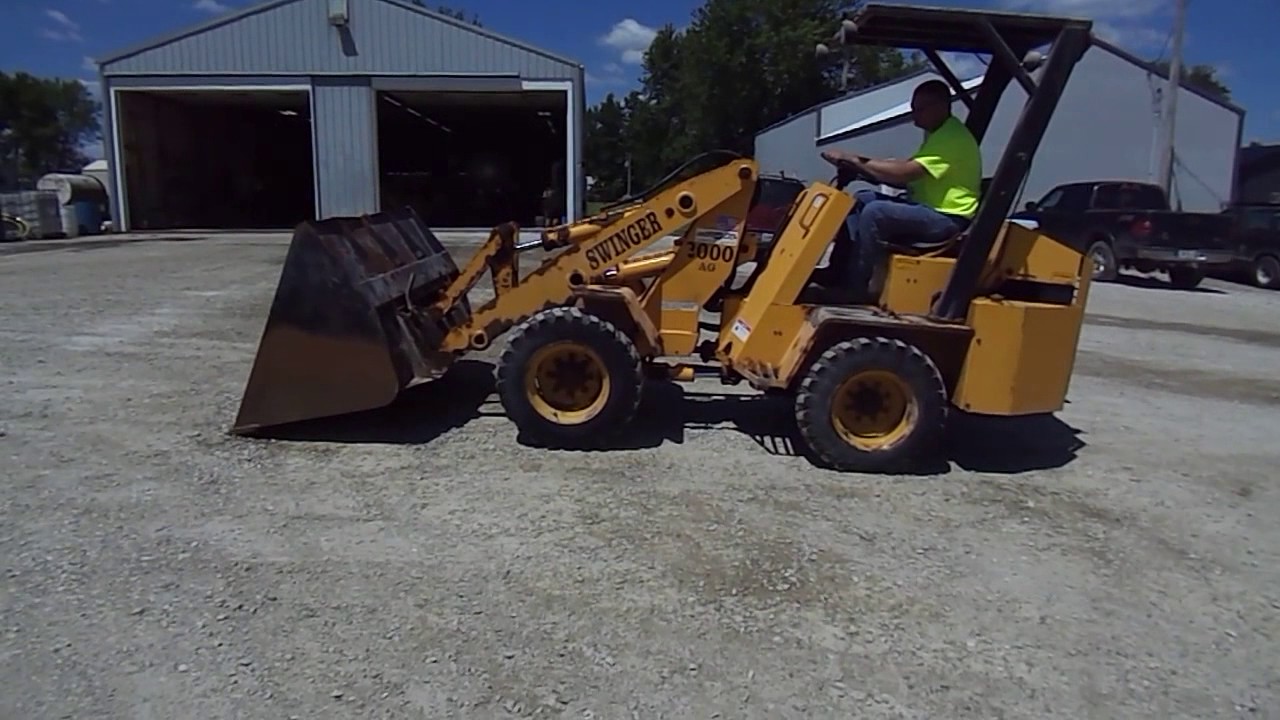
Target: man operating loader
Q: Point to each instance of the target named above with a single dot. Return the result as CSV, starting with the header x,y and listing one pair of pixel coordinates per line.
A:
x,y
943,179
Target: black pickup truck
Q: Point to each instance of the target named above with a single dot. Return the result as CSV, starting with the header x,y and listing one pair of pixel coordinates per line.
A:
x,y
1255,242
1124,224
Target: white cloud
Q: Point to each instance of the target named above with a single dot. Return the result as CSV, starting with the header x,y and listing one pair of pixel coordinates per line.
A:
x,y
1135,24
605,80
210,6
612,68
61,18
1090,8
1150,40
93,86
630,38
67,30
89,65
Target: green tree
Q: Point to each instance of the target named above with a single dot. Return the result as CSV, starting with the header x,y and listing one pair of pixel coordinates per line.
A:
x,y
43,124
738,67
1202,77
606,151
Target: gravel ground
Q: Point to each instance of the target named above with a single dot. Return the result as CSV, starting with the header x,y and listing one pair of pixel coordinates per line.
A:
x,y
1118,562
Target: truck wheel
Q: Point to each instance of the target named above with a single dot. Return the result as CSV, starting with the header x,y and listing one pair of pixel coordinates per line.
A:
x,y
568,378
1266,272
1105,267
872,405
1185,278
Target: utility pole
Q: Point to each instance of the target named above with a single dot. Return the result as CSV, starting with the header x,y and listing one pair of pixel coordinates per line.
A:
x,y
1170,109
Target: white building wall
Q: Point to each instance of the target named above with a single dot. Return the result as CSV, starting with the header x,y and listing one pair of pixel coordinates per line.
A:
x,y
1106,126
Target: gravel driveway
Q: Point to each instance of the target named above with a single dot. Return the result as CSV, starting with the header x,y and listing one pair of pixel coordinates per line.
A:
x,y
1119,561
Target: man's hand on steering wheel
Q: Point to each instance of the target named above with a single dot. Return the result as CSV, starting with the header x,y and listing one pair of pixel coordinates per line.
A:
x,y
851,167
848,168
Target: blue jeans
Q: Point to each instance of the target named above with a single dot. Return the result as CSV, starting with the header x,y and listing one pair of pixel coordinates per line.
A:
x,y
878,218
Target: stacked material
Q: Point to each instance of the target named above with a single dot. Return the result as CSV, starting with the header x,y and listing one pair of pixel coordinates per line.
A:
x,y
39,209
73,188
83,199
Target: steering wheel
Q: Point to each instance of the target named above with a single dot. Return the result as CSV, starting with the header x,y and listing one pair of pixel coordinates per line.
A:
x,y
847,172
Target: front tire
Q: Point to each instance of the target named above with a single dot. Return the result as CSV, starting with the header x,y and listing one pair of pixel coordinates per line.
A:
x,y
872,405
569,379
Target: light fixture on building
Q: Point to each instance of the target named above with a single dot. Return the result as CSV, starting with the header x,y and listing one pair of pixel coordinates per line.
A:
x,y
339,12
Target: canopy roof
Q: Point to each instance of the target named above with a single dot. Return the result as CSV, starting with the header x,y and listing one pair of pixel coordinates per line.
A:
x,y
952,30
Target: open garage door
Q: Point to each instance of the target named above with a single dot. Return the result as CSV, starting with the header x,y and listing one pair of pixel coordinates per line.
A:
x,y
473,159
215,159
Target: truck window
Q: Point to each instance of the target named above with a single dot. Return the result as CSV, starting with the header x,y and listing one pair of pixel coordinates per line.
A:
x,y
1128,196
1075,198
1050,201
1261,219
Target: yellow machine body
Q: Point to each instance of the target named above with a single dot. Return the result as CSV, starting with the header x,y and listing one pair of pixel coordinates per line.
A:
x,y
634,291
1012,357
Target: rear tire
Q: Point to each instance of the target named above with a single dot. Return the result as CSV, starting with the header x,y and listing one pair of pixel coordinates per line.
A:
x,y
569,379
1105,268
1185,278
872,405
1266,272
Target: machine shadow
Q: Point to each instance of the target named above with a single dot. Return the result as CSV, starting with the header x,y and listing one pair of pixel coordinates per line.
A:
x,y
424,413
1012,445
669,409
420,415
973,443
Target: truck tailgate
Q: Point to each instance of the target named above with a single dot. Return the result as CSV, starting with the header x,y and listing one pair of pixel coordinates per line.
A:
x,y
1182,230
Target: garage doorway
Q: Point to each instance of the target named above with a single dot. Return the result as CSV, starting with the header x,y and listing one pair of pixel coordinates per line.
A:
x,y
215,159
474,159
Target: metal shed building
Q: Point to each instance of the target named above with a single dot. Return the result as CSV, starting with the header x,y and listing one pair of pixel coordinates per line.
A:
x,y
299,109
1107,126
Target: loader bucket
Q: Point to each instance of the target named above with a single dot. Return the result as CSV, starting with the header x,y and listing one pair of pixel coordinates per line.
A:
x,y
337,339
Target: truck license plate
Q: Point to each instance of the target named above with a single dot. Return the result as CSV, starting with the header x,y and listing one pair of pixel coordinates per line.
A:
x,y
1188,254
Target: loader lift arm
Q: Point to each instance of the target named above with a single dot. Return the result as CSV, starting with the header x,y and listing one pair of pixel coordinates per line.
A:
x,y
587,250
381,302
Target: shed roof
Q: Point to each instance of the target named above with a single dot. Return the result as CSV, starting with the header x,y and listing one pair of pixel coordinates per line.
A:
x,y
266,5
900,109
886,113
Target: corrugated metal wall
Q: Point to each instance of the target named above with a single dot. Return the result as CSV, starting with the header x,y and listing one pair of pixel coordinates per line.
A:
x,y
1107,126
381,38
345,136
789,147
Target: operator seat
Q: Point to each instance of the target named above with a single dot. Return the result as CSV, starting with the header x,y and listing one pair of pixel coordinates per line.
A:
x,y
949,247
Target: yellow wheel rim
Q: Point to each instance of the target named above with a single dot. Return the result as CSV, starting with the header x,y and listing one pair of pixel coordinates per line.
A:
x,y
566,382
873,410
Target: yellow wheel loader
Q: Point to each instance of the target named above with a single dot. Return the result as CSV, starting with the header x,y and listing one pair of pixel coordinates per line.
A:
x,y
987,323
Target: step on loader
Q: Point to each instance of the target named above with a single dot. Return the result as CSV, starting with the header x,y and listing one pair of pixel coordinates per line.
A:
x,y
988,323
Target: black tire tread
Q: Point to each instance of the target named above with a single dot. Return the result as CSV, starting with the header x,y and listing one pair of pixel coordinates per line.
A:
x,y
825,375
1275,277
1112,271
532,332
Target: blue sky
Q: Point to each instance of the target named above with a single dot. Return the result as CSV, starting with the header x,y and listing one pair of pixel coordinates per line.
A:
x,y
59,37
